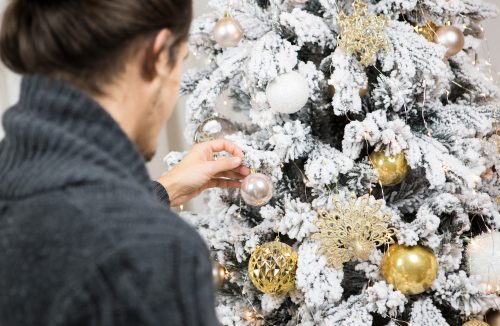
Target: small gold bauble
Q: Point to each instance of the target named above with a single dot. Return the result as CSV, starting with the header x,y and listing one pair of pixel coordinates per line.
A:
x,y
219,274
411,270
475,322
272,268
428,30
392,169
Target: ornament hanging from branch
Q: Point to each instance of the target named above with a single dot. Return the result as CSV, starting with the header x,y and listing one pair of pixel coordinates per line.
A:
x,y
257,189
228,31
219,274
411,270
214,128
363,33
353,229
451,38
483,255
428,30
272,267
391,169
288,93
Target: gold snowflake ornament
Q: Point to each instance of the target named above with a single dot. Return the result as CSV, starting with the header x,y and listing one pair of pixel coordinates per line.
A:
x,y
362,33
353,229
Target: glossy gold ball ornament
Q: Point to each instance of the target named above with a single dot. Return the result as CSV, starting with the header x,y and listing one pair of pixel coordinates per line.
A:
x,y
428,30
392,169
475,322
451,38
272,268
228,31
411,270
219,274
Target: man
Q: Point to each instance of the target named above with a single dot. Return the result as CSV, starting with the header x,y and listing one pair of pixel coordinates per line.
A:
x,y
85,237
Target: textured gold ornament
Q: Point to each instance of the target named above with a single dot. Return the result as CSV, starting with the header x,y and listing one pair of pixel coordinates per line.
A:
x,y
428,30
353,229
475,322
392,169
272,267
411,270
362,33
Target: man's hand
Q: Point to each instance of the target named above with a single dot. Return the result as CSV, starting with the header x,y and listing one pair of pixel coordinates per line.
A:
x,y
199,171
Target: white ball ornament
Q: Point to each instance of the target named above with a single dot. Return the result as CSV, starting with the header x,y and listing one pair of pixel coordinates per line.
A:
x,y
483,255
288,93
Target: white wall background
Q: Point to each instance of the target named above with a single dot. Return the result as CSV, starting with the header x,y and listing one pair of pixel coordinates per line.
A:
x,y
172,136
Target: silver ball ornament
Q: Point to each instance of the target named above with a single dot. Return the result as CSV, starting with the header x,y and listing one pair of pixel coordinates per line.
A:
x,y
450,37
288,93
228,32
214,128
257,189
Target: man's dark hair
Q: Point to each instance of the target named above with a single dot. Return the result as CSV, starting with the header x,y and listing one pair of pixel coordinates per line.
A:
x,y
86,42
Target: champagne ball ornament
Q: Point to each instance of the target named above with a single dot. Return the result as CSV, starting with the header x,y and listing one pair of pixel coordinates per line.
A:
x,y
392,169
450,37
214,128
257,189
228,31
219,274
411,270
288,93
483,258
272,268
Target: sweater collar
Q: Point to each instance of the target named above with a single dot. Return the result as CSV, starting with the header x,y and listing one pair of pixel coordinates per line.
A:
x,y
56,135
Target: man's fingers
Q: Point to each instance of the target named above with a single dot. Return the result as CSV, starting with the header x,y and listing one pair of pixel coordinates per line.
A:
x,y
243,170
225,164
224,184
229,175
222,145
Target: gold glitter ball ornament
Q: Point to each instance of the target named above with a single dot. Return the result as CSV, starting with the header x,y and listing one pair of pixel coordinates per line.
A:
x,y
411,270
353,229
392,169
428,30
362,33
476,322
272,268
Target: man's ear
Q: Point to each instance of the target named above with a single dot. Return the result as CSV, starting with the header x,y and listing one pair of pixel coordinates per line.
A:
x,y
161,45
155,59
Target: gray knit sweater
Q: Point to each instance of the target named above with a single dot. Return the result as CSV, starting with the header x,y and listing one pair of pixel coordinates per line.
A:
x,y
83,238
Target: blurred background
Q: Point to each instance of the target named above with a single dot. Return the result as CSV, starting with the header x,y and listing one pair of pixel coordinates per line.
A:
x,y
172,137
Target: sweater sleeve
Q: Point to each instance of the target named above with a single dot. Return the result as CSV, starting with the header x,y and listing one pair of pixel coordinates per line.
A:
x,y
161,193
150,285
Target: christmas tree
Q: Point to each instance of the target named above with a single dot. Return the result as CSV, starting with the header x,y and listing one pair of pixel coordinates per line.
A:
x,y
370,128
